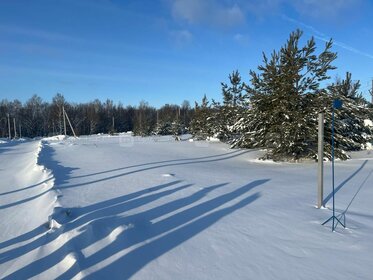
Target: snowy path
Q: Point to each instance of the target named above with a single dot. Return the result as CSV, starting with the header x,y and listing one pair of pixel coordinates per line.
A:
x,y
178,210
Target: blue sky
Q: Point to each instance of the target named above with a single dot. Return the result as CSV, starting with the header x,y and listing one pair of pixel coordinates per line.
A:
x,y
164,51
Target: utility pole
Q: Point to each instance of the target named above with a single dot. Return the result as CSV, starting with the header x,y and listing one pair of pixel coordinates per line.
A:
x,y
64,119
113,123
10,136
71,127
20,130
15,128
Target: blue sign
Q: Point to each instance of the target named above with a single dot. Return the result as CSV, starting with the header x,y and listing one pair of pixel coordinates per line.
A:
x,y
337,104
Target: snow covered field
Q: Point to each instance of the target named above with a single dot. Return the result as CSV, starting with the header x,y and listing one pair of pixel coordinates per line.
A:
x,y
153,208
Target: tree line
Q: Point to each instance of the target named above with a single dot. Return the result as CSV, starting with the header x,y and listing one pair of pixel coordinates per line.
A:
x,y
37,117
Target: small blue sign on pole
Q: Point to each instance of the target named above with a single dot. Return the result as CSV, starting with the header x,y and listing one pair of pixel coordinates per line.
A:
x,y
337,104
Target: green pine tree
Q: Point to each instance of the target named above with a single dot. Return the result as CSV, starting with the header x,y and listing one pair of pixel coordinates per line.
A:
x,y
284,99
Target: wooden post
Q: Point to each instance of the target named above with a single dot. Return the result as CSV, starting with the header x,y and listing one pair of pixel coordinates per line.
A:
x,y
320,159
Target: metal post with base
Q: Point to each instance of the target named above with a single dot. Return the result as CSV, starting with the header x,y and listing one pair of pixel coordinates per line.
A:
x,y
337,104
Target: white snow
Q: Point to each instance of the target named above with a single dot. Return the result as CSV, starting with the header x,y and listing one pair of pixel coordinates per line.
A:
x,y
368,122
107,208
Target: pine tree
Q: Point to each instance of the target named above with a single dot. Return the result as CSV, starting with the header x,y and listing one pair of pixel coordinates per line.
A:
x,y
201,126
145,120
283,100
350,132
227,114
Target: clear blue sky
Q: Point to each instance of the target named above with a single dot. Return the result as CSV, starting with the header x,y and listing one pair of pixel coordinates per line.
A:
x,y
164,51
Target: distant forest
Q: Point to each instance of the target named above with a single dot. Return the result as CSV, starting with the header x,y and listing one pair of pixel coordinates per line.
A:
x,y
37,117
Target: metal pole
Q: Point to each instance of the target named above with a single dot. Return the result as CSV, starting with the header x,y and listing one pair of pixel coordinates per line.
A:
x,y
10,136
320,187
337,104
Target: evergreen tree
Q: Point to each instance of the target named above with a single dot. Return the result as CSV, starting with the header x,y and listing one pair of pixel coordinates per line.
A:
x,y
350,132
200,126
227,114
283,100
145,119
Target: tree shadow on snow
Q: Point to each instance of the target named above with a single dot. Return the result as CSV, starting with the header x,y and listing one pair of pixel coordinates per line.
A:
x,y
138,237
156,165
217,157
80,216
28,187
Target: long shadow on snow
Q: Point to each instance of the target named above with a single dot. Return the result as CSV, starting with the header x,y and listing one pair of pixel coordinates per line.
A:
x,y
138,228
80,216
233,154
181,227
86,215
225,157
343,214
28,187
344,182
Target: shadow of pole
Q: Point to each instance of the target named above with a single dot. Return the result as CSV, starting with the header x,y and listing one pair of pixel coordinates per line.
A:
x,y
343,214
344,182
